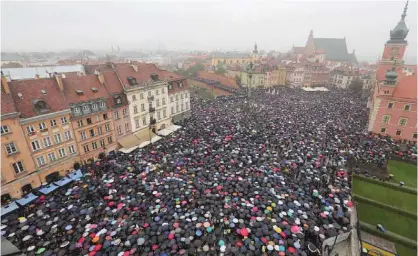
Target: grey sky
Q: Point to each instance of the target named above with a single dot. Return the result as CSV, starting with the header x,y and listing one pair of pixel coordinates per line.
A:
x,y
206,25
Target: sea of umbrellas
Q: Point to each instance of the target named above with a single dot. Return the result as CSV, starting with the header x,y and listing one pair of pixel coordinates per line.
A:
x,y
265,177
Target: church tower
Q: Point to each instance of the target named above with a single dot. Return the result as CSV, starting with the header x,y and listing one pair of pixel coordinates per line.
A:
x,y
395,47
255,55
310,45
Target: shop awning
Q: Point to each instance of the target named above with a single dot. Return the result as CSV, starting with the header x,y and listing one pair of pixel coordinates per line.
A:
x,y
138,140
75,175
127,150
62,182
164,132
26,200
9,208
48,189
174,127
128,142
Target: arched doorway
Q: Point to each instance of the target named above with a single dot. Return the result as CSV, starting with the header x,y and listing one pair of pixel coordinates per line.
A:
x,y
26,189
5,199
52,177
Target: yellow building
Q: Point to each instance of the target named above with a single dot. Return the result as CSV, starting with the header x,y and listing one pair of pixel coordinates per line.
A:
x,y
235,58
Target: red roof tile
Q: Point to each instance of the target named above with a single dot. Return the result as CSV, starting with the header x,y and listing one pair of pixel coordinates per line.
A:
x,y
406,87
113,84
143,74
7,104
84,83
225,81
31,90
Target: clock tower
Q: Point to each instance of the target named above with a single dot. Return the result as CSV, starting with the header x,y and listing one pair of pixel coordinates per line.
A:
x,y
395,47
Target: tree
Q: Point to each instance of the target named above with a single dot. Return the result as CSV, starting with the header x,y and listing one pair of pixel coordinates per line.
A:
x,y
195,68
356,86
220,69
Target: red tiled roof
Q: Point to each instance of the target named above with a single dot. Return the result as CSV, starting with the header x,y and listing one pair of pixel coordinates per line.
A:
x,y
31,90
113,84
225,81
143,74
7,104
84,83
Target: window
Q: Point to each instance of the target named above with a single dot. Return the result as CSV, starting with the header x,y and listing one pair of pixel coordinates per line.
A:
x,y
91,133
415,135
31,129
158,115
94,145
83,136
390,105
57,138
80,123
386,119
125,112
109,139
163,90
136,109
35,145
158,102
164,113
64,120
76,110
142,107
186,95
141,96
181,96
172,110
85,108
170,86
99,130
402,121
97,118
182,106
158,92
102,104
5,129
407,107
51,157
163,101
137,123
11,148
177,97
53,123
116,114
133,98
47,141
102,143
107,127
171,99
68,135
86,148
383,130
398,132
105,116
127,127
119,130
187,105
144,121
177,108
42,126
94,106
88,120
71,149
18,167
40,160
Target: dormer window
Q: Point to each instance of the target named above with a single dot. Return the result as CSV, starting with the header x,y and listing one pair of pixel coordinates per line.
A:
x,y
79,92
154,77
20,95
94,106
94,89
118,101
170,87
102,104
40,106
85,108
76,110
132,80
180,84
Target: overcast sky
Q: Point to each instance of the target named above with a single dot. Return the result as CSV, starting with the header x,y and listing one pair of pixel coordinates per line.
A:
x,y
201,25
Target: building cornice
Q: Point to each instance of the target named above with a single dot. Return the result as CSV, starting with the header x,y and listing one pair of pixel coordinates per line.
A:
x,y
10,116
45,116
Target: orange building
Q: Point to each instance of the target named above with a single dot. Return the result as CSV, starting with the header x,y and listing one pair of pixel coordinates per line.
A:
x,y
45,121
91,115
393,104
18,171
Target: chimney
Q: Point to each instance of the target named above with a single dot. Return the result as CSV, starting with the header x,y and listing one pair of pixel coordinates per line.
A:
x,y
59,81
4,84
101,77
135,67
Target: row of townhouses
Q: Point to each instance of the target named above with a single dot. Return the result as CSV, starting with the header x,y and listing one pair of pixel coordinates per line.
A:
x,y
49,124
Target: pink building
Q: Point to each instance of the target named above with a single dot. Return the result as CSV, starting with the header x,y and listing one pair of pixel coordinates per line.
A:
x,y
393,104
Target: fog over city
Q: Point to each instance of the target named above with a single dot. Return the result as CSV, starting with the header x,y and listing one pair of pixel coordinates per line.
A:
x,y
202,25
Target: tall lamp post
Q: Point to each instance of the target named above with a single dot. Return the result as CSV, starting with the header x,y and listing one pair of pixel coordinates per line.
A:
x,y
250,76
151,117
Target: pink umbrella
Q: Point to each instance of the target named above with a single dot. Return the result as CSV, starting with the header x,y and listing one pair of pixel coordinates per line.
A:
x,y
294,229
244,232
170,236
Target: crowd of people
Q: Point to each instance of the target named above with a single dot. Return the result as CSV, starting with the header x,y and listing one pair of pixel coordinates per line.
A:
x,y
264,177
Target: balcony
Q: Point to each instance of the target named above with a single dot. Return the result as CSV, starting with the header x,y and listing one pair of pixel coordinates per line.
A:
x,y
150,98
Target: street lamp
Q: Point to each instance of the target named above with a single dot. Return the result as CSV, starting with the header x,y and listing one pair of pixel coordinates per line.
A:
x,y
151,117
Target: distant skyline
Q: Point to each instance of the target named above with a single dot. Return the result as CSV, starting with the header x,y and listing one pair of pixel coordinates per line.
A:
x,y
202,25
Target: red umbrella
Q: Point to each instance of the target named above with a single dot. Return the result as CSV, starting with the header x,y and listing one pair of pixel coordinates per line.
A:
x,y
244,232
